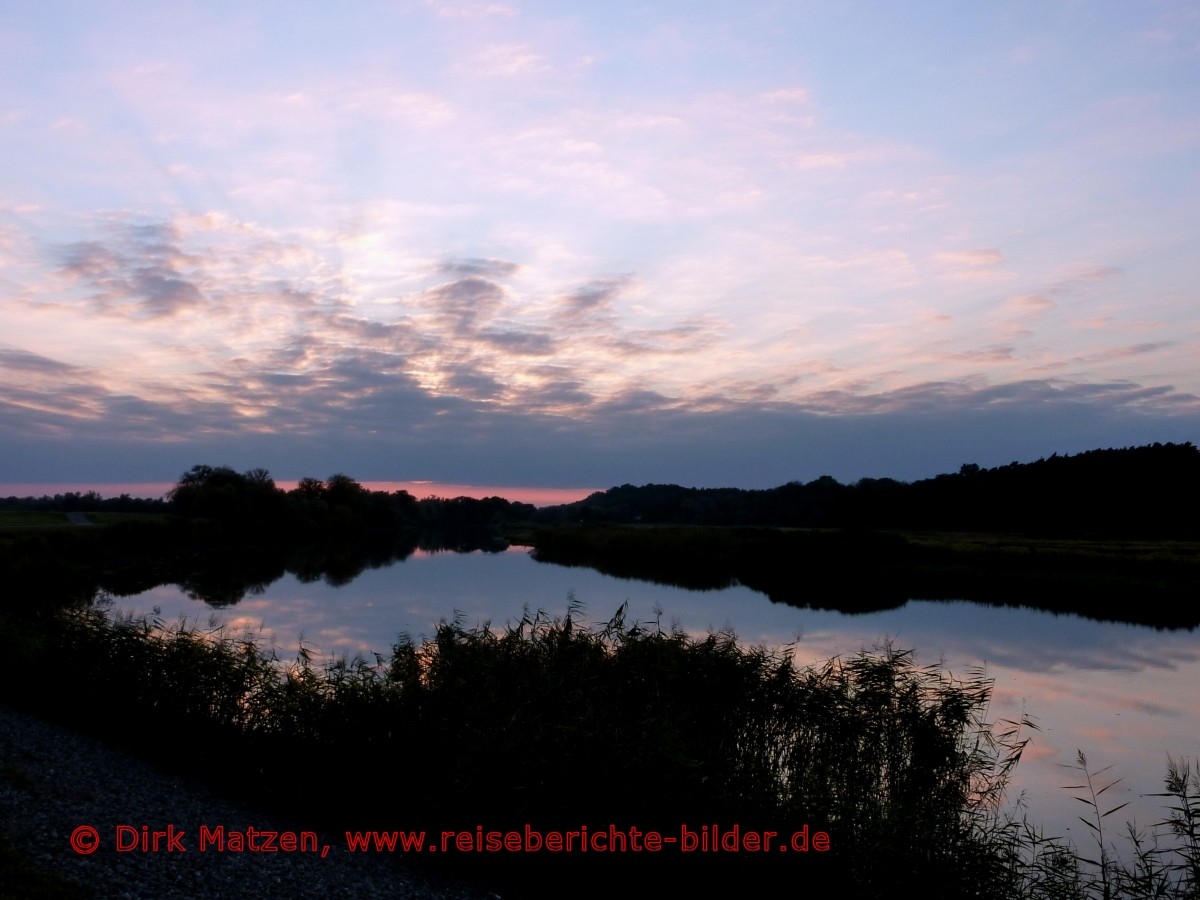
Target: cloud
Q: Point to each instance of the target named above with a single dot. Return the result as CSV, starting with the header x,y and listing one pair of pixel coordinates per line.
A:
x,y
474,385
471,10
202,333
489,268
365,413
466,301
508,60
89,259
393,335
281,325
137,273
972,394
819,161
163,292
27,363
986,256
1030,303
595,297
524,343
1081,279
379,103
561,395
1125,352
1021,311
690,336
1001,354
788,95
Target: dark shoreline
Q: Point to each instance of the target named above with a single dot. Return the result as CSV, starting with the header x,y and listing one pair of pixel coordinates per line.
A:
x,y
1144,582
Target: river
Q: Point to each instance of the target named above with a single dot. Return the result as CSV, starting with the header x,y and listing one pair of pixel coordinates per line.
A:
x,y
1123,694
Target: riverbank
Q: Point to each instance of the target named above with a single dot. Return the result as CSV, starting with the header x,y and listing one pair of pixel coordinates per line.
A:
x,y
554,726
855,570
54,780
551,725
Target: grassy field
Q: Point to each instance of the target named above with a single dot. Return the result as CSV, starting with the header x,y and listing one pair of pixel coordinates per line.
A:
x,y
22,518
116,518
1134,550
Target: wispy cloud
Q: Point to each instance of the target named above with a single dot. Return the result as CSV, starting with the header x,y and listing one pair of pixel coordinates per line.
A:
x,y
449,10
448,221
491,268
507,59
141,276
987,256
1030,304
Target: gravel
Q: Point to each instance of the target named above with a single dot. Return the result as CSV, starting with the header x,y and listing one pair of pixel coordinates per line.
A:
x,y
54,781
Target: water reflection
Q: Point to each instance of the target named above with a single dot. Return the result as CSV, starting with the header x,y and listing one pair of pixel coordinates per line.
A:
x,y
1123,693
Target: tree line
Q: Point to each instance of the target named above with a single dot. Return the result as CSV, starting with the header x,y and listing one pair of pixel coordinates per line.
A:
x,y
337,505
1150,491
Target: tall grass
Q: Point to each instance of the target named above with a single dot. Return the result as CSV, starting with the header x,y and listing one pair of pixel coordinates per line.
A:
x,y
1163,862
559,725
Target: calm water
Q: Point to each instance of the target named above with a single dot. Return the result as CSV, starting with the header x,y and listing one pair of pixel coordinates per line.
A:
x,y
1123,694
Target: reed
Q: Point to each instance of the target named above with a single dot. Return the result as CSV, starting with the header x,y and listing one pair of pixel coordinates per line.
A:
x,y
556,724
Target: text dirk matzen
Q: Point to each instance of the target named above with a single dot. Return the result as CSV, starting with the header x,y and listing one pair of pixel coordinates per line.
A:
x,y
208,838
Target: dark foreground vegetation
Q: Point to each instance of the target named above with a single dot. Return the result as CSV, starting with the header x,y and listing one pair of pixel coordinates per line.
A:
x,y
557,726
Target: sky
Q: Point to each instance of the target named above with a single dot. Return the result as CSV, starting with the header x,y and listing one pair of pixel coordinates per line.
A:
x,y
567,244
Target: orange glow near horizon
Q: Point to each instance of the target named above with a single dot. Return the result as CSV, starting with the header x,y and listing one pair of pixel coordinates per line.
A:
x,y
538,496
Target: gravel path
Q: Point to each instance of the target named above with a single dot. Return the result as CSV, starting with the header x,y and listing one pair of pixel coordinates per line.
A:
x,y
53,780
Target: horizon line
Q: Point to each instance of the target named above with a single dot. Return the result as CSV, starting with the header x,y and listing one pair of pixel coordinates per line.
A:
x,y
421,489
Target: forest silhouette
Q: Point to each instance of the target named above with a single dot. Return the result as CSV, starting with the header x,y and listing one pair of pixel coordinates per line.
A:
x,y
1107,533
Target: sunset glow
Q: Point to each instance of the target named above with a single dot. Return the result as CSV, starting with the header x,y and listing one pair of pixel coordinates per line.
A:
x,y
569,244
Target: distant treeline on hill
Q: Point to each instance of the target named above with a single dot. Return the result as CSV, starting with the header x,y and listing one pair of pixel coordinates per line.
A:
x,y
84,501
1152,491
244,501
1140,491
338,504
